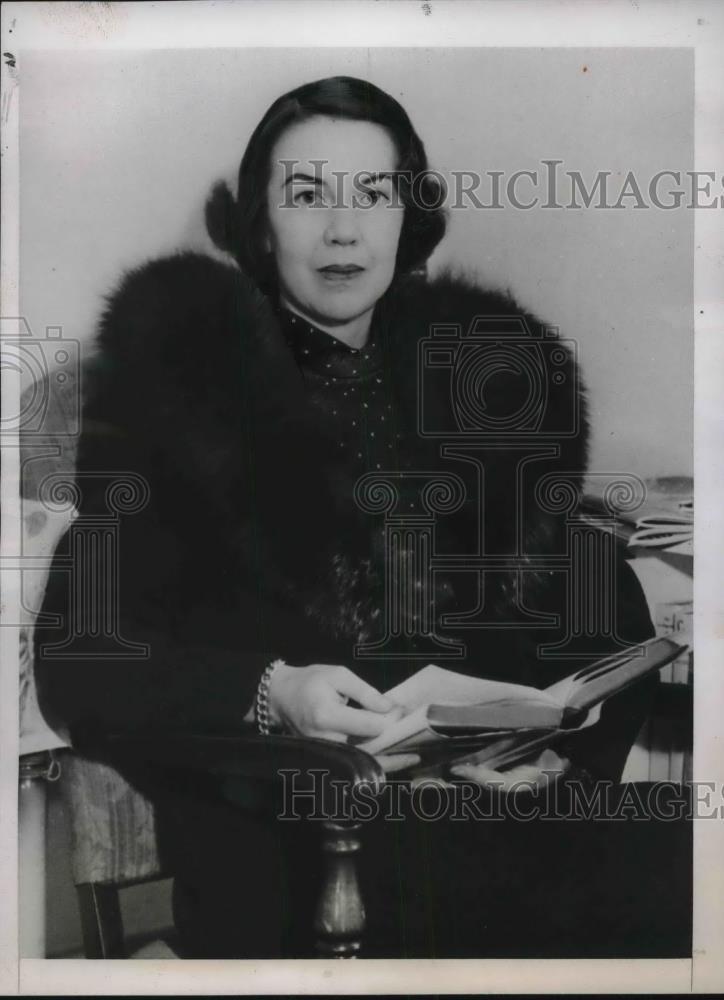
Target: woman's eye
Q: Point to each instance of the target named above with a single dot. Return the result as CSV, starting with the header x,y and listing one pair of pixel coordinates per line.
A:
x,y
309,197
370,197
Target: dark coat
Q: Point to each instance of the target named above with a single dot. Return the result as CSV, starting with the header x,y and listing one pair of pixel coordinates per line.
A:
x,y
243,551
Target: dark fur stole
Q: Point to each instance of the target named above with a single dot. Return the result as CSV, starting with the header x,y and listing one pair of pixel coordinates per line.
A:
x,y
194,387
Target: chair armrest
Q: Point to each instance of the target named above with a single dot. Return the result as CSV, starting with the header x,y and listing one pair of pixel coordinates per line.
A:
x,y
247,755
231,762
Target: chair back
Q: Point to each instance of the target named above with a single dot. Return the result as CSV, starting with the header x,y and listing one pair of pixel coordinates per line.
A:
x,y
113,829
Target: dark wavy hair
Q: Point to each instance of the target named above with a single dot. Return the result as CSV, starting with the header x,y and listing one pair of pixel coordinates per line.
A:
x,y
237,226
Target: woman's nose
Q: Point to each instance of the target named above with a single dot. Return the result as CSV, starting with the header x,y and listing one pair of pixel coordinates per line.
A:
x,y
342,228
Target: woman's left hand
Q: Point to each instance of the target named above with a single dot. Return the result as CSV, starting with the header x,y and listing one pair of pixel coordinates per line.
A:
x,y
532,776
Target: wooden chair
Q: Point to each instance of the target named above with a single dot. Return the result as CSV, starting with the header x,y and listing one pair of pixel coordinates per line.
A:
x,y
114,832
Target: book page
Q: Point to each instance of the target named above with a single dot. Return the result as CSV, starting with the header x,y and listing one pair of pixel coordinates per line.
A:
x,y
398,735
435,685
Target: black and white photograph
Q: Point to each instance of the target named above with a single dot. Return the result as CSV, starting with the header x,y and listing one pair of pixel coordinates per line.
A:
x,y
351,409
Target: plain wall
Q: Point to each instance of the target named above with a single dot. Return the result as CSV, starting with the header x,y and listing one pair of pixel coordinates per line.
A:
x,y
118,151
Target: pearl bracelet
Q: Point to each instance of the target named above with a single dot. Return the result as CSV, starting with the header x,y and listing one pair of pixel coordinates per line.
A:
x,y
261,707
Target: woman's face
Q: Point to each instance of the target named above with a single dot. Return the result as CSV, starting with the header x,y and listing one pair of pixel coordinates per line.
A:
x,y
333,219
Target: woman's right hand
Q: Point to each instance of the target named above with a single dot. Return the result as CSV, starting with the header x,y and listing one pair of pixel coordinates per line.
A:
x,y
312,701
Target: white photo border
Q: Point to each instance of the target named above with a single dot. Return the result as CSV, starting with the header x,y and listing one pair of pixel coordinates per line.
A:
x,y
317,23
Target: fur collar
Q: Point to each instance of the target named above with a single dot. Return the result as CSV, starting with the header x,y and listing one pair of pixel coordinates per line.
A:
x,y
194,385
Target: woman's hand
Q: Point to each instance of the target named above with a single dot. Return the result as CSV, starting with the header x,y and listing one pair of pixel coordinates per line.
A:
x,y
312,701
391,762
526,777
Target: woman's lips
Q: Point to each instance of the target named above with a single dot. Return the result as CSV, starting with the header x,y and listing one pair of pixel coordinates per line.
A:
x,y
340,272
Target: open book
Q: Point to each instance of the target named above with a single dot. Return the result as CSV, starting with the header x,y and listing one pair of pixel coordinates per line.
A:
x,y
447,713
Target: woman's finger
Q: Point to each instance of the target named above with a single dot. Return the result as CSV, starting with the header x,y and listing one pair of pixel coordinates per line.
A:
x,y
357,721
327,734
396,761
478,772
550,761
353,686
518,779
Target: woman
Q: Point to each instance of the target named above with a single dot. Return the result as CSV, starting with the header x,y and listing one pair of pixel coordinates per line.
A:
x,y
252,397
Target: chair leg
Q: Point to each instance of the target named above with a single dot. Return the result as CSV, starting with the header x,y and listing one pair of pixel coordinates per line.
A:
x,y
340,918
101,922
